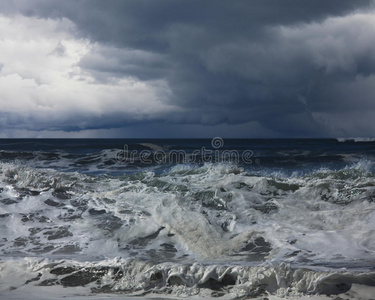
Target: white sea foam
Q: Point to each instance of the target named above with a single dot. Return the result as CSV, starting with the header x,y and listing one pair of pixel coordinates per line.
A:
x,y
184,230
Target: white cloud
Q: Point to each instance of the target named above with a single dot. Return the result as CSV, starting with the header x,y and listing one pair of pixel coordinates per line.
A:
x,y
41,79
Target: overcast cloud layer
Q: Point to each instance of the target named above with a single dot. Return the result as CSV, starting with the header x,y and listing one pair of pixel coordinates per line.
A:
x,y
167,68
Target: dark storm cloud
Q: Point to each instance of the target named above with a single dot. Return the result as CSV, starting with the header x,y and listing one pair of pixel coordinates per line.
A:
x,y
105,62
143,23
293,67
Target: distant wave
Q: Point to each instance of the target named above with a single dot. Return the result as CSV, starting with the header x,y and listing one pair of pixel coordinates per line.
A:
x,y
152,146
356,139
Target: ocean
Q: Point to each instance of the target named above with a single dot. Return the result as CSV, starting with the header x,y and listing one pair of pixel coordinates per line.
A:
x,y
187,218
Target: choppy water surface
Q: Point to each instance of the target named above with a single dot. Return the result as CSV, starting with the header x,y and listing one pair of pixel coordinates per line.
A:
x,y
298,219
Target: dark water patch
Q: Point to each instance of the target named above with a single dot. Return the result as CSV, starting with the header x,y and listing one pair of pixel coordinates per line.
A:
x,y
49,282
277,188
255,250
214,284
143,241
88,160
37,278
144,213
110,223
61,194
42,249
282,186
293,254
108,201
81,204
126,212
20,242
68,249
168,247
204,196
35,217
242,186
159,255
62,270
53,203
210,200
156,276
13,155
167,186
104,220
82,276
70,215
8,201
258,291
23,192
97,212
267,207
36,230
175,280
58,233
338,193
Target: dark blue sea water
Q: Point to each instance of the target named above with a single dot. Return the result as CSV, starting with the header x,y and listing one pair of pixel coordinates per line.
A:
x,y
233,218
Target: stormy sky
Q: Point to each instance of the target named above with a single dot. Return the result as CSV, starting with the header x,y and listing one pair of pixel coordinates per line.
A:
x,y
187,68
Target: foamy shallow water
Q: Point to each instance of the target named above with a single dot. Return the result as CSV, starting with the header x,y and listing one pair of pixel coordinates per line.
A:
x,y
81,225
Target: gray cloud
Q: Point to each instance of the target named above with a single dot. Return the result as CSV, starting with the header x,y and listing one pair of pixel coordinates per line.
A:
x,y
105,62
287,68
